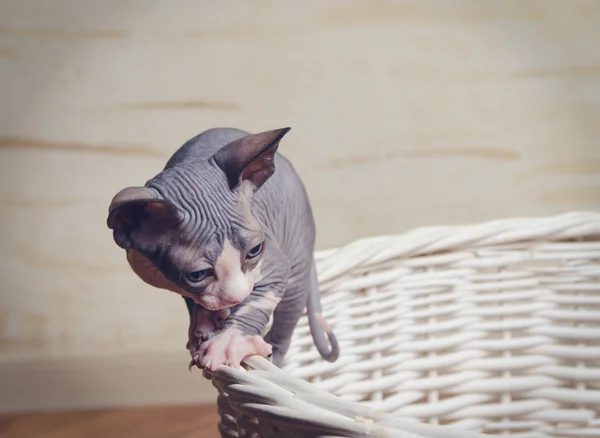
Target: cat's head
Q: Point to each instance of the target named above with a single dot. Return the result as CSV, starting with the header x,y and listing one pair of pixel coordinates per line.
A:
x,y
191,227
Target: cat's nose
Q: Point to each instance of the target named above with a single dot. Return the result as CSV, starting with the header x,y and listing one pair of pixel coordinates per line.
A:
x,y
237,289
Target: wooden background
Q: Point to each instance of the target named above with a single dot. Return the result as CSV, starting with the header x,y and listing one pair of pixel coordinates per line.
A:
x,y
403,113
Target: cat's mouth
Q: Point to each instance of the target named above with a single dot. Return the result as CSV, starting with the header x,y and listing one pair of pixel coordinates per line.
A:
x,y
220,298
216,303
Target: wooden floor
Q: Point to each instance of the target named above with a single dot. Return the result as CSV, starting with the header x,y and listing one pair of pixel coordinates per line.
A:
x,y
162,422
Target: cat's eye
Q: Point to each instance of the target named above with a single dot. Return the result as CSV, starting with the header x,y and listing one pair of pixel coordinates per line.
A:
x,y
197,276
255,251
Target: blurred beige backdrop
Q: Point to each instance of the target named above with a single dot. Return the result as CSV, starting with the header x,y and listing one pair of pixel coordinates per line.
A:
x,y
403,113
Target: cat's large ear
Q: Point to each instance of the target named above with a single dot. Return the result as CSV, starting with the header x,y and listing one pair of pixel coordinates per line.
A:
x,y
139,212
250,158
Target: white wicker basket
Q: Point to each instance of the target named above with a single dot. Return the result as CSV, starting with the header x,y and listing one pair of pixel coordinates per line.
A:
x,y
491,328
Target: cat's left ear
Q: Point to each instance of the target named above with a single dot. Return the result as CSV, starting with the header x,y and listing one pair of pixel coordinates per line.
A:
x,y
138,215
250,158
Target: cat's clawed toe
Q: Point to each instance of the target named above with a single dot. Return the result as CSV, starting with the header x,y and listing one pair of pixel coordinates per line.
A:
x,y
230,347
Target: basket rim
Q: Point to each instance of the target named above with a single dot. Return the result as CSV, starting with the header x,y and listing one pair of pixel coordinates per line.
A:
x,y
374,250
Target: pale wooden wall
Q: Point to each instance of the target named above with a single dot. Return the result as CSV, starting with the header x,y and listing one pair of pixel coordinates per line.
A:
x,y
404,113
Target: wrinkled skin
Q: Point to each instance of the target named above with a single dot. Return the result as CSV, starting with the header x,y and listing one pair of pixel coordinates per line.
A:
x,y
228,226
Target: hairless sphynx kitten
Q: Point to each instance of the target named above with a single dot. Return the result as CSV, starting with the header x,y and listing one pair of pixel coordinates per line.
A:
x,y
228,225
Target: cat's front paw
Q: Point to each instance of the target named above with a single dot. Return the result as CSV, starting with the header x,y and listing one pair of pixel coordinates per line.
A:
x,y
203,325
230,347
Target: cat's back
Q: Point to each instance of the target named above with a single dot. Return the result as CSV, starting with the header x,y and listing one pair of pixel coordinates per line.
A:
x,y
204,145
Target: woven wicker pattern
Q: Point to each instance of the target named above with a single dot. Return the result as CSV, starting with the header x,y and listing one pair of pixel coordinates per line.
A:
x,y
493,327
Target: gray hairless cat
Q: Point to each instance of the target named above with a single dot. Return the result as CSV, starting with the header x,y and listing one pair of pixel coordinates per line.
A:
x,y
235,237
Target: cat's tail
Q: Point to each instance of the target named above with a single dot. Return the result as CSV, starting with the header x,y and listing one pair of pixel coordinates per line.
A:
x,y
319,328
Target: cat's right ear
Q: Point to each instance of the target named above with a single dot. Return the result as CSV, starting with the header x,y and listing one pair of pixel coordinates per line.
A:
x,y
138,212
250,158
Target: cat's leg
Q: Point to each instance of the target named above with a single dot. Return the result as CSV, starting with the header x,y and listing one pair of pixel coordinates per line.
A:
x,y
286,316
